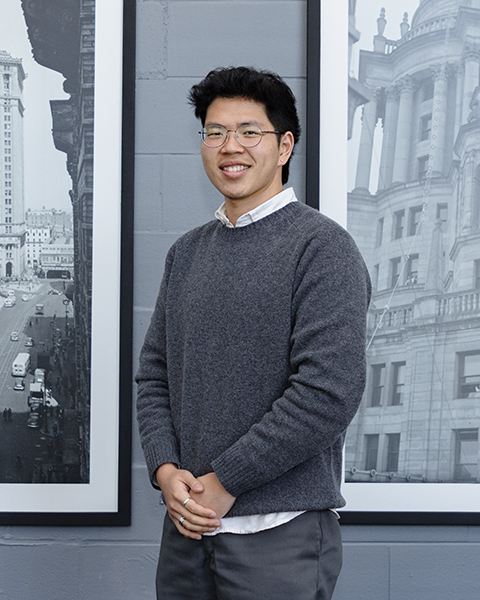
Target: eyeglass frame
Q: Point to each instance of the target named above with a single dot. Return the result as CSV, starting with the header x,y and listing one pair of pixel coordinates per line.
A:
x,y
227,131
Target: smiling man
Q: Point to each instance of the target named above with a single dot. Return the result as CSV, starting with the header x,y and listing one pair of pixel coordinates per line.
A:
x,y
253,366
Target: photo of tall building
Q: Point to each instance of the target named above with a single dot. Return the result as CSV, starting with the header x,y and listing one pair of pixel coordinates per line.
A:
x,y
12,216
418,226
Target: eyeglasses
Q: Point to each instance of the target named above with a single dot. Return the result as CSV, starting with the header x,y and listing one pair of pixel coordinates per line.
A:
x,y
248,136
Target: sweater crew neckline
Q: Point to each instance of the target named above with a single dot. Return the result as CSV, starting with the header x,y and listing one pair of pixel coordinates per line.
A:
x,y
266,222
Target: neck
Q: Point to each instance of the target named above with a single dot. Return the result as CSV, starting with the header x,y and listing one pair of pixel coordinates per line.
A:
x,y
235,208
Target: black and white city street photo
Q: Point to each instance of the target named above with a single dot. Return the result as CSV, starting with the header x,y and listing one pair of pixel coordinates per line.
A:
x,y
46,154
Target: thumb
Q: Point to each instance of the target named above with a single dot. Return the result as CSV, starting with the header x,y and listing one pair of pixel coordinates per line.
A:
x,y
193,483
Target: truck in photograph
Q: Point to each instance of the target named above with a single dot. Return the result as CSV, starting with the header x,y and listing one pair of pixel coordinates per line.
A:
x,y
39,309
21,364
36,396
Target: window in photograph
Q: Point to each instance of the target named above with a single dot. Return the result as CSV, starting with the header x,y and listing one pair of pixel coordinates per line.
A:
x,y
414,219
442,212
371,451
425,127
466,455
378,384
379,237
469,374
393,451
423,166
375,274
412,270
428,89
398,224
477,274
394,270
398,383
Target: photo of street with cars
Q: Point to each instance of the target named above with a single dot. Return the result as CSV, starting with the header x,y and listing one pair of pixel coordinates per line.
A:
x,y
46,198
39,429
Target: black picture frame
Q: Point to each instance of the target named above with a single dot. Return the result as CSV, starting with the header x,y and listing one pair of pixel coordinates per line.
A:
x,y
408,504
103,498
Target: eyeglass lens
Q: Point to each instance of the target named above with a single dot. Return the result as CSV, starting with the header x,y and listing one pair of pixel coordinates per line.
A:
x,y
247,135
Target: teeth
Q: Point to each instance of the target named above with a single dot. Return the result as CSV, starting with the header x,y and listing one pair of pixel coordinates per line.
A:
x,y
235,168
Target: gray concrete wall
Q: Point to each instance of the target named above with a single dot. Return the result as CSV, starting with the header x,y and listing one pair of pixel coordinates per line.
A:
x,y
177,43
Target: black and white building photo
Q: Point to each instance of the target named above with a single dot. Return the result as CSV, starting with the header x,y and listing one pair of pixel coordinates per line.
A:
x,y
414,211
46,191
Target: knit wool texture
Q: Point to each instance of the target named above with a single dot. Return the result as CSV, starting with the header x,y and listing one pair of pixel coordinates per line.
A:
x,y
254,361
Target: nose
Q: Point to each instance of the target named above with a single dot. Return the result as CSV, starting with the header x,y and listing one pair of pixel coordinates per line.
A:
x,y
231,139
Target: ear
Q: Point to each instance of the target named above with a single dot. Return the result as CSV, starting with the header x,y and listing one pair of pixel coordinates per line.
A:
x,y
286,147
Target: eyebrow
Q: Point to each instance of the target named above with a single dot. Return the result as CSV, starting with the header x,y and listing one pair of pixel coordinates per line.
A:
x,y
256,123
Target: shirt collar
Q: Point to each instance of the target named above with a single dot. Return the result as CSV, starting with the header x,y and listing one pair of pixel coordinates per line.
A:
x,y
267,208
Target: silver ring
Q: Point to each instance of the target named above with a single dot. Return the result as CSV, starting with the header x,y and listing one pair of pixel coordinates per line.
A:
x,y
181,520
185,501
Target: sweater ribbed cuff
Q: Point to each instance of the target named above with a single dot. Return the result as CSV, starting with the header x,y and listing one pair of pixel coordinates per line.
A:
x,y
154,458
235,472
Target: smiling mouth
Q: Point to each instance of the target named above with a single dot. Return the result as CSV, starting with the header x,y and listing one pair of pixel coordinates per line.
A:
x,y
235,169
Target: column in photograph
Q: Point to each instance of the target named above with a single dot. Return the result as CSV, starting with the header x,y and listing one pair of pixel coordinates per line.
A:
x,y
471,59
439,118
468,170
389,135
364,164
403,138
459,73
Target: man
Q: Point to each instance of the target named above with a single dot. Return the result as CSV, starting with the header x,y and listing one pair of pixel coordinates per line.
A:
x,y
253,366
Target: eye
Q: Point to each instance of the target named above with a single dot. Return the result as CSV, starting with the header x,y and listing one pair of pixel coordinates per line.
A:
x,y
250,133
214,133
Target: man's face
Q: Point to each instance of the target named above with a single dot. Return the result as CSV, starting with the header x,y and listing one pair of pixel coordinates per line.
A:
x,y
249,175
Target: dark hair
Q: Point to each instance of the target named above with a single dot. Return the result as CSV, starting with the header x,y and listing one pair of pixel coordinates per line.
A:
x,y
264,87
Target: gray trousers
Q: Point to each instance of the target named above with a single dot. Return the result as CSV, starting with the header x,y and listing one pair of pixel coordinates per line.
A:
x,y
299,560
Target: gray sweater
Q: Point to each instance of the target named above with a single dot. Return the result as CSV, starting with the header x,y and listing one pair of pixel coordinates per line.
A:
x,y
254,361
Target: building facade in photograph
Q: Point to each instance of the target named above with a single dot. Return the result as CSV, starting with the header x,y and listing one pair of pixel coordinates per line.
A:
x,y
62,36
36,236
44,226
12,215
418,227
59,221
56,258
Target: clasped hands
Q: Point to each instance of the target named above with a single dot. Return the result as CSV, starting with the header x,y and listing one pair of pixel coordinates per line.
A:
x,y
208,500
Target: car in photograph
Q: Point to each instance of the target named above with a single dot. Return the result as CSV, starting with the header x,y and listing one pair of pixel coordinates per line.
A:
x,y
33,420
29,342
14,336
9,302
25,298
19,384
11,292
39,376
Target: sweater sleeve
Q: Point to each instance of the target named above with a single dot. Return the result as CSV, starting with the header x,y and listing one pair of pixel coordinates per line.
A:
x,y
157,433
327,360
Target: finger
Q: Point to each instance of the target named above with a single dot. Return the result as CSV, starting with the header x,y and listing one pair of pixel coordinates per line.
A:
x,y
197,509
188,534
195,528
183,530
191,481
194,520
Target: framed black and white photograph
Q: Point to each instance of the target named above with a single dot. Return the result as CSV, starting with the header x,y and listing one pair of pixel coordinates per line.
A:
x,y
407,187
66,193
